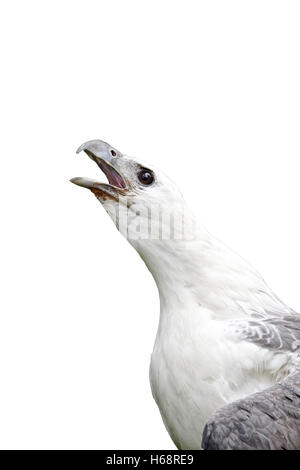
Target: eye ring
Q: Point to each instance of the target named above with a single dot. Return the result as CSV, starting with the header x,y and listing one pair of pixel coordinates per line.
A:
x,y
146,177
113,153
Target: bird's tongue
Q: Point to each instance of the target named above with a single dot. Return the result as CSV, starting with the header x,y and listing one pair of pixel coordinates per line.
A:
x,y
112,175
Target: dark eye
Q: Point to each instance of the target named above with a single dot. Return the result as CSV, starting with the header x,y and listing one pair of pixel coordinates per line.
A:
x,y
113,153
146,177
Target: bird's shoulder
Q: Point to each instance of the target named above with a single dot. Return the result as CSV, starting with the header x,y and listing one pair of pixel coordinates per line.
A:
x,y
271,330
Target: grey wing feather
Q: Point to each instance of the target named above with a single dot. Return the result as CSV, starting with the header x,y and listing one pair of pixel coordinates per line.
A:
x,y
267,420
281,333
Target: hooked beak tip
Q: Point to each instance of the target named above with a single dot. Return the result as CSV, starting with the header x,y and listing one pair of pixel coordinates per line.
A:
x,y
80,148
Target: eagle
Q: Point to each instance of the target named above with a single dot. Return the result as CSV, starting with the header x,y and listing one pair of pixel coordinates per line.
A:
x,y
225,368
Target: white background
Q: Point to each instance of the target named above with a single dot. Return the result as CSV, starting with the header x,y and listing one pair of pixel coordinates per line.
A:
x,y
208,91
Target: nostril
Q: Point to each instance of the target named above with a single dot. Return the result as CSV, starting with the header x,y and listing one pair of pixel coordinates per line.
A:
x,y
113,153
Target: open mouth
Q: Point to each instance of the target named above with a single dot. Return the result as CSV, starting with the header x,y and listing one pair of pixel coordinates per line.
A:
x,y
113,176
115,179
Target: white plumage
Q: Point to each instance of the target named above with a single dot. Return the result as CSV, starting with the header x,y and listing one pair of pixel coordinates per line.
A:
x,y
215,340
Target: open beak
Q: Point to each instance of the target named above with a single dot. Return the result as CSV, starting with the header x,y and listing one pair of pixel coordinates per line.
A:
x,y
106,158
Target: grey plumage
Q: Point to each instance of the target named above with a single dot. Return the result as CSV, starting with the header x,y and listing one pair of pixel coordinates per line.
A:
x,y
281,333
267,420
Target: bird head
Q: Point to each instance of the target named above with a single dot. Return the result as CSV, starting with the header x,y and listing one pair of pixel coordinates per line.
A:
x,y
144,203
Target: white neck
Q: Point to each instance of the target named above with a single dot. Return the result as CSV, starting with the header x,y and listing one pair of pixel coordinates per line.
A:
x,y
203,271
